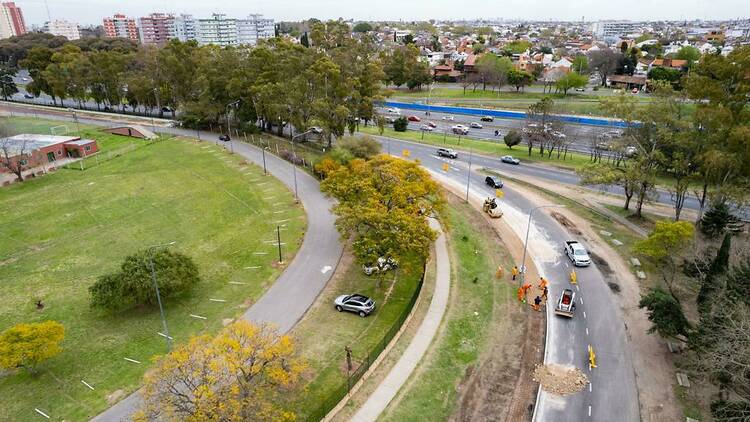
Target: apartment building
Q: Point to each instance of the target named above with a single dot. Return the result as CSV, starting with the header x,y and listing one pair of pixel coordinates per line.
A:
x,y
614,29
185,28
218,30
63,28
120,26
11,20
254,28
156,28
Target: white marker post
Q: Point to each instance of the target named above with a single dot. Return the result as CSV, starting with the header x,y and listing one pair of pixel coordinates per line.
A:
x,y
41,413
87,385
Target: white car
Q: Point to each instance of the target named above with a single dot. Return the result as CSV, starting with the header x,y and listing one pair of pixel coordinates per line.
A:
x,y
476,125
426,128
460,130
577,253
393,111
450,118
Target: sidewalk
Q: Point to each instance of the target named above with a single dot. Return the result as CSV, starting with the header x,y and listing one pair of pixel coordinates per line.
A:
x,y
402,370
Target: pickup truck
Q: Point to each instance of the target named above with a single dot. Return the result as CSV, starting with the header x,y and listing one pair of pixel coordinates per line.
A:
x,y
566,305
577,253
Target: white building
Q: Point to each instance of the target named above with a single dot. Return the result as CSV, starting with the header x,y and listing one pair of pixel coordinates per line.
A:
x,y
63,28
614,29
184,28
254,28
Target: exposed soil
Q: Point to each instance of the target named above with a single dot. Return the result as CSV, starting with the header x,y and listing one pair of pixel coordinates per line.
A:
x,y
559,379
563,220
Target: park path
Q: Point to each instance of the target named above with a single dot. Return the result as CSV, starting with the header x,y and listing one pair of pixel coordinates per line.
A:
x,y
402,371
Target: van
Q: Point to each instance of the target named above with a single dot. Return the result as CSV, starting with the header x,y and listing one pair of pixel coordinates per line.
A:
x,y
447,152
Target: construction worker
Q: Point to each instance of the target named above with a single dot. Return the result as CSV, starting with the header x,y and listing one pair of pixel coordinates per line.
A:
x,y
525,288
542,283
537,303
545,292
514,272
499,272
521,292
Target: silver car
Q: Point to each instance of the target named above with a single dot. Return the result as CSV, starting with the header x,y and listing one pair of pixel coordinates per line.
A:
x,y
359,304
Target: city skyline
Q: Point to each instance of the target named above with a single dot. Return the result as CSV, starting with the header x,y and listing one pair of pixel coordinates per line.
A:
x,y
85,13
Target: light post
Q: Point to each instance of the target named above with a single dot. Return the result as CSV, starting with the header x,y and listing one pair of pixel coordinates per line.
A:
x,y
429,97
75,119
158,296
468,175
294,162
229,126
526,241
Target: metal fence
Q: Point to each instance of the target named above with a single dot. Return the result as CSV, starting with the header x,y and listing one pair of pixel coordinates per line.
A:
x,y
348,382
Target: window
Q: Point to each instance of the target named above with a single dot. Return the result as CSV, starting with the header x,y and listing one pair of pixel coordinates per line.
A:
x,y
87,147
59,152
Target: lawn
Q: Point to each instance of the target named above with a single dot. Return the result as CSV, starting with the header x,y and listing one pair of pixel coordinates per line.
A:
x,y
480,309
324,333
64,230
487,147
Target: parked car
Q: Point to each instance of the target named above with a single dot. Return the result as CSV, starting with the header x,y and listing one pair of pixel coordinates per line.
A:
x,y
487,119
27,95
413,119
460,130
359,304
316,130
167,109
581,89
447,152
577,253
493,182
426,128
432,124
393,111
631,151
224,138
383,264
475,125
450,118
635,91
510,160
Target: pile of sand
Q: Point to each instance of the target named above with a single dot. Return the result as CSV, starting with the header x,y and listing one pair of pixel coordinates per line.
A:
x,y
559,379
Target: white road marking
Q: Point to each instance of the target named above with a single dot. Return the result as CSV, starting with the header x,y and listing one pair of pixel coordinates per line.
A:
x,y
567,265
198,316
578,288
41,413
590,387
87,385
131,360
252,268
589,410
587,330
217,300
236,282
584,314
325,269
581,300
164,335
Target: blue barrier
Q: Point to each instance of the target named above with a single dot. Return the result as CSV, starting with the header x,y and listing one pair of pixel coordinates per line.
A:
x,y
505,114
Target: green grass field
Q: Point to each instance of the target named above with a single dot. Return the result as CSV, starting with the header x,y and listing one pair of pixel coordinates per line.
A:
x,y
63,230
324,333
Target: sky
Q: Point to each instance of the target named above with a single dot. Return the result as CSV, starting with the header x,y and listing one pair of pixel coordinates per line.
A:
x,y
92,11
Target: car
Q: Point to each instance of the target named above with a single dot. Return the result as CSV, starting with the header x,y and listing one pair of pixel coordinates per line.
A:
x,y
167,109
475,125
577,253
390,119
460,130
316,130
25,79
631,151
359,304
493,182
635,91
426,128
487,119
382,265
450,118
224,138
432,124
447,152
393,111
413,119
581,89
510,160
28,96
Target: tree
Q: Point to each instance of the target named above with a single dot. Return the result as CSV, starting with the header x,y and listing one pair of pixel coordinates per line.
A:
x,y
133,285
15,154
580,65
519,79
362,27
665,314
512,138
605,62
663,247
718,219
665,74
304,41
689,53
363,147
600,174
28,345
36,62
718,266
241,374
538,120
569,81
7,85
383,204
400,124
493,70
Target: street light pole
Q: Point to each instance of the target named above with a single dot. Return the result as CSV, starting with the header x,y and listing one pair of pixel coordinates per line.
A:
x,y
294,163
158,295
468,175
229,125
526,241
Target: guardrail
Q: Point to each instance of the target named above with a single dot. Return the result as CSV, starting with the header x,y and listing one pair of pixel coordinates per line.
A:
x,y
506,114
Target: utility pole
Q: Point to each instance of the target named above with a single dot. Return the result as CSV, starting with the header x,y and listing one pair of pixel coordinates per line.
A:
x,y
468,175
526,241
158,296
278,240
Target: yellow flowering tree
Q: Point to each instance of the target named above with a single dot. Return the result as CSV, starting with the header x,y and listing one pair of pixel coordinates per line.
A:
x,y
27,345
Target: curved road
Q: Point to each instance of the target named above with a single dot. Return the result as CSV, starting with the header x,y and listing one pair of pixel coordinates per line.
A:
x,y
612,394
299,285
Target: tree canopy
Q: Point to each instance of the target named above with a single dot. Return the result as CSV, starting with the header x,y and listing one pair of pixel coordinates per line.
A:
x,y
28,345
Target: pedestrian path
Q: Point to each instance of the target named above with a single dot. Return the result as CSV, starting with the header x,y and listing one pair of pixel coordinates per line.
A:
x,y
402,371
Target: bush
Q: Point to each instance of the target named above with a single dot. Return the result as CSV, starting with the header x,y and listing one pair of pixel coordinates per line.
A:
x,y
360,147
400,124
512,138
133,286
27,345
289,156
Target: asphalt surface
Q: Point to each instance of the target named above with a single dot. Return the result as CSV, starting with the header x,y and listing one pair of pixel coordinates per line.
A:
x,y
612,395
287,300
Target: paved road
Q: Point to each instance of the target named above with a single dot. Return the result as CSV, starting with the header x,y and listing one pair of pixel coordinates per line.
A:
x,y
613,395
299,285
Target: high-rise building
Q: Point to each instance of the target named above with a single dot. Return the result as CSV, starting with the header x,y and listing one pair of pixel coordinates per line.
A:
x,y
217,30
120,26
63,28
11,20
156,28
184,28
254,28
614,29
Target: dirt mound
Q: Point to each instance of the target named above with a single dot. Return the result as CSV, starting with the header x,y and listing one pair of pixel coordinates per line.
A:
x,y
565,222
559,379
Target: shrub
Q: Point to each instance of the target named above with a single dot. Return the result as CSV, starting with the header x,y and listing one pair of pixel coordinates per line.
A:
x,y
512,138
360,147
133,286
27,345
400,124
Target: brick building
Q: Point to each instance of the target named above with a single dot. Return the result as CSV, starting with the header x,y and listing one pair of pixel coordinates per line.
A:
x,y
33,150
120,26
11,20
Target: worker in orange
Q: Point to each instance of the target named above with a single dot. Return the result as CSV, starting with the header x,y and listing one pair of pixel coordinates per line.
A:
x,y
526,287
521,294
542,283
514,272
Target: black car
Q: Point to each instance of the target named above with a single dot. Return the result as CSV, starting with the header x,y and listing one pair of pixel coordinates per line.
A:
x,y
487,118
494,182
224,138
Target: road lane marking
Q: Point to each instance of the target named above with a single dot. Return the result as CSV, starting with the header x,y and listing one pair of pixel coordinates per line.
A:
x,y
589,410
590,387
584,314
587,330
581,300
578,288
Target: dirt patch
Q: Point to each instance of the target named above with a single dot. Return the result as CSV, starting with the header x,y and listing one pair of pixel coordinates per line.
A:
x,y
563,220
614,286
559,379
601,263
116,396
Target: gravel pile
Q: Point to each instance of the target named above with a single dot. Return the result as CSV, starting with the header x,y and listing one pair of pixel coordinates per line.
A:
x,y
559,379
